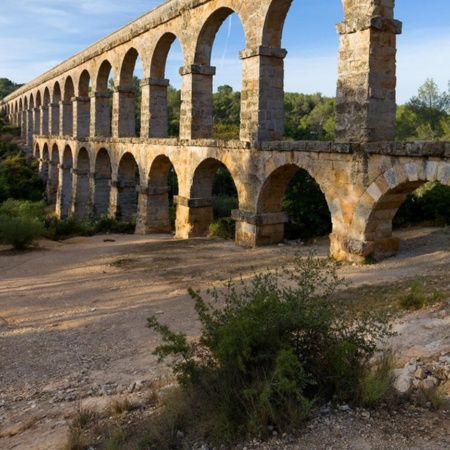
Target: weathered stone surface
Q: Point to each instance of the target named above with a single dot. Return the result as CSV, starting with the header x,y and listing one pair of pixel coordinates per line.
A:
x,y
94,164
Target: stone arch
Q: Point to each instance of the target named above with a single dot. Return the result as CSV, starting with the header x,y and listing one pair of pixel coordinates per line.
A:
x,y
37,151
65,190
205,40
154,205
154,117
67,105
81,207
371,223
274,22
125,95
46,104
200,206
102,183
44,164
82,107
270,216
84,84
54,113
128,179
53,176
101,110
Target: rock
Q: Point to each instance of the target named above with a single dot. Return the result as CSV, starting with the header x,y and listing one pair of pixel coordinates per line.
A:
x,y
403,381
419,373
428,384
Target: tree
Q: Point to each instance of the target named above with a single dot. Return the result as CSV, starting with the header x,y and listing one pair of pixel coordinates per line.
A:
x,y
7,87
430,106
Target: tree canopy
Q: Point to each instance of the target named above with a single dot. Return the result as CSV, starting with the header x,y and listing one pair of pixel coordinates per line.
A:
x,y
7,87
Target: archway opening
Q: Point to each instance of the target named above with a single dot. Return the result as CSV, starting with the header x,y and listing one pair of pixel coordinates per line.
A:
x,y
53,178
55,110
82,121
310,69
428,205
228,42
128,96
82,206
103,98
160,209
214,184
67,105
127,195
102,184
44,168
165,89
290,189
220,112
65,191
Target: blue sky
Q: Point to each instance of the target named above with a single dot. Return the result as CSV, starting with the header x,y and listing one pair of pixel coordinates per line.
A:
x,y
36,35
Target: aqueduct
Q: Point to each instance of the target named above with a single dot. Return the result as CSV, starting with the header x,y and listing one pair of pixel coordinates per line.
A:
x,y
95,164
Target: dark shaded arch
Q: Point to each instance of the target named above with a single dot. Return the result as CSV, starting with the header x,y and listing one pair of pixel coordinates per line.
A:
x,y
64,201
44,166
46,96
84,83
67,116
154,208
102,183
38,99
126,121
127,181
53,176
81,197
82,106
102,116
37,151
103,76
202,185
273,26
56,94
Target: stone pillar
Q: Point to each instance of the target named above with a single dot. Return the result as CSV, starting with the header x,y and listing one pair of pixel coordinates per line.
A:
x,y
262,96
81,205
154,113
44,120
194,215
365,95
66,118
81,116
113,199
253,230
123,120
153,211
37,120
196,113
100,114
53,110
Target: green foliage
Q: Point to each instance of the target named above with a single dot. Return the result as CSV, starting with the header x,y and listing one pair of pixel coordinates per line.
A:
x,y
429,203
415,298
224,228
173,106
226,106
72,226
270,349
425,116
7,87
309,117
21,223
308,210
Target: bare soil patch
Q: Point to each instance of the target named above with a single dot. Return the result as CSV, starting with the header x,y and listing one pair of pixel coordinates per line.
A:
x,y
73,315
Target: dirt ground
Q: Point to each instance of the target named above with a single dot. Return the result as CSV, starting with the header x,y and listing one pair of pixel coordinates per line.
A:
x,y
73,329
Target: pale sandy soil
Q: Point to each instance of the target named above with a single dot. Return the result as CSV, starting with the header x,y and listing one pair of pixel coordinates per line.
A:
x,y
73,316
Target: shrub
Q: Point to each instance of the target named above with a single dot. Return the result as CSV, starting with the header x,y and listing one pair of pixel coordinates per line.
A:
x,y
224,228
414,298
21,223
223,206
270,349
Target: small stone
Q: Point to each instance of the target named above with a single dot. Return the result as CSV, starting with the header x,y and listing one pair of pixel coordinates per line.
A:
x,y
344,408
419,373
428,384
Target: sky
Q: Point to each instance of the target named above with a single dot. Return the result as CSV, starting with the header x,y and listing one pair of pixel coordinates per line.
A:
x,y
36,35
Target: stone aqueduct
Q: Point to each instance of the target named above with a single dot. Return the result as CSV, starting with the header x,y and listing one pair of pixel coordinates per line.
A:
x,y
90,156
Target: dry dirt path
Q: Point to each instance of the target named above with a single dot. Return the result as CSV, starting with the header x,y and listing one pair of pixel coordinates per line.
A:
x,y
73,314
